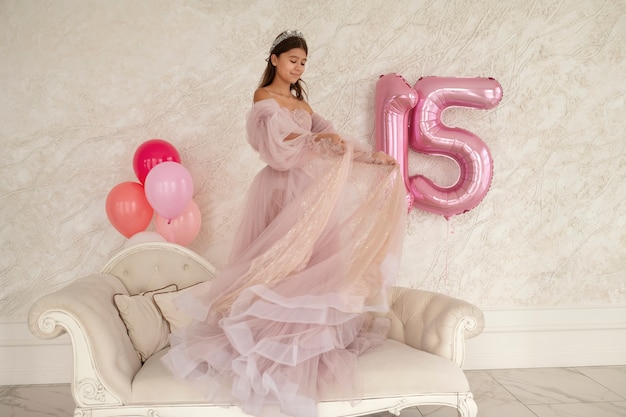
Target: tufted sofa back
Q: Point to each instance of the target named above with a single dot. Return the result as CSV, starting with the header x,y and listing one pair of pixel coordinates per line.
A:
x,y
150,266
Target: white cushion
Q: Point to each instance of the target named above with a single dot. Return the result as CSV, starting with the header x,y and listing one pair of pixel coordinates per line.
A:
x,y
146,328
175,318
393,369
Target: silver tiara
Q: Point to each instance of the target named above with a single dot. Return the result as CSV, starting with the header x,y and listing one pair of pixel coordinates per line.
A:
x,y
286,34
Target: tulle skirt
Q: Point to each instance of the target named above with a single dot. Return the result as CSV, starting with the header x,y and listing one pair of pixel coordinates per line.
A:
x,y
282,326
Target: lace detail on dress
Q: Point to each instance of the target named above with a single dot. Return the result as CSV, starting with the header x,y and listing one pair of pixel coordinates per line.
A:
x,y
324,146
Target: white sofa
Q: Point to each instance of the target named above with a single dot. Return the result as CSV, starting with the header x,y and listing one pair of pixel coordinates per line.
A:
x,y
419,364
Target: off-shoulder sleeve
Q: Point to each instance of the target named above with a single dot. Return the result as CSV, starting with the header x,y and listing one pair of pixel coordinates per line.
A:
x,y
267,127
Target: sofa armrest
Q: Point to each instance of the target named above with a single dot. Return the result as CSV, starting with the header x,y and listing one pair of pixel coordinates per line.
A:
x,y
105,361
433,322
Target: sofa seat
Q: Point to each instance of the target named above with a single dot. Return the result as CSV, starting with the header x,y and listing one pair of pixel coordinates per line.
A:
x,y
393,369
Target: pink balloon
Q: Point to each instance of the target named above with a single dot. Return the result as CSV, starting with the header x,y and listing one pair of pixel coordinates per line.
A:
x,y
182,229
169,189
429,135
394,100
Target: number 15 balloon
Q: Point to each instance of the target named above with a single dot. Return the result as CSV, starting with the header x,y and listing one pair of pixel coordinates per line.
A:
x,y
425,132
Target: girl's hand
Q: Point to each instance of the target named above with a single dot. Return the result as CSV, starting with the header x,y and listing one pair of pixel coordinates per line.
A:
x,y
382,158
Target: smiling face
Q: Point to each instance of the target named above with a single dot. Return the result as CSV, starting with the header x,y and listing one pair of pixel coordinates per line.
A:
x,y
290,64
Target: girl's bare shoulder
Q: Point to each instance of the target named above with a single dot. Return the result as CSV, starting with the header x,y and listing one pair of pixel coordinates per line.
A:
x,y
261,94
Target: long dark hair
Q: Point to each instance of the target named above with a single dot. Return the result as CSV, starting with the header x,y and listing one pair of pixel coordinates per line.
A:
x,y
270,70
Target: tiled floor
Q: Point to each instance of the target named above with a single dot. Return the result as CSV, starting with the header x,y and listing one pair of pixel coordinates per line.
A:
x,y
545,392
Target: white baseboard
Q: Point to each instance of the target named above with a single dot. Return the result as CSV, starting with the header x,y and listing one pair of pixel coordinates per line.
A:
x,y
26,359
550,337
513,338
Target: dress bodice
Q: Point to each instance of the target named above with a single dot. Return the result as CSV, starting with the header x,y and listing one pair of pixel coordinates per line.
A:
x,y
301,117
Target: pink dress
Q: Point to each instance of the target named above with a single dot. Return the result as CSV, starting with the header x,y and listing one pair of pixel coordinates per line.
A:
x,y
316,251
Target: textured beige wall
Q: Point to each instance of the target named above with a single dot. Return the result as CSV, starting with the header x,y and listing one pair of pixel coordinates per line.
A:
x,y
83,83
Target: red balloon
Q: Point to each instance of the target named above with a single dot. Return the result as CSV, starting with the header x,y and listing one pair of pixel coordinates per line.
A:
x,y
152,153
128,209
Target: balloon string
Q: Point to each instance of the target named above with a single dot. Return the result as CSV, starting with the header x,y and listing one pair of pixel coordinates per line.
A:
x,y
449,232
445,271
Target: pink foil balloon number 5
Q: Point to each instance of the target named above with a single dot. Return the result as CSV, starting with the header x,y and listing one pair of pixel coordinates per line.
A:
x,y
399,122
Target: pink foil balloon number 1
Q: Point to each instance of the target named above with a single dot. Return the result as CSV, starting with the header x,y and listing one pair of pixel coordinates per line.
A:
x,y
394,99
423,129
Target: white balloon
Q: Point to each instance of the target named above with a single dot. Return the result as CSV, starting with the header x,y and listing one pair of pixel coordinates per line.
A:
x,y
143,237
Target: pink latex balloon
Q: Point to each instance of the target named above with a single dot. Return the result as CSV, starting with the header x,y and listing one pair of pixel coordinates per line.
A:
x,y
182,229
127,208
151,153
394,99
169,189
430,136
